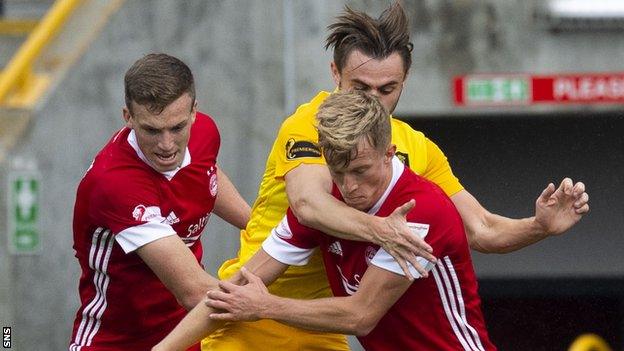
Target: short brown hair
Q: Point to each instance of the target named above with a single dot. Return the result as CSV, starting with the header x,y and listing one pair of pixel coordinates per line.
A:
x,y
346,117
157,80
377,38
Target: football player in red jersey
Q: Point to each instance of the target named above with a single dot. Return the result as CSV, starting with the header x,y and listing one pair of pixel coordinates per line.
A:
x,y
140,210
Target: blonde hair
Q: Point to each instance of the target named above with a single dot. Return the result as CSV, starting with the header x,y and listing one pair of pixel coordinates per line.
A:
x,y
346,117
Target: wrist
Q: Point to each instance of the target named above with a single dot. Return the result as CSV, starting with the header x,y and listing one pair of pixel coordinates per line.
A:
x,y
537,228
375,226
270,307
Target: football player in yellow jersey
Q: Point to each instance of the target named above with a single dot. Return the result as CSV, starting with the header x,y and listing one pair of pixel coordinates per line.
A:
x,y
372,55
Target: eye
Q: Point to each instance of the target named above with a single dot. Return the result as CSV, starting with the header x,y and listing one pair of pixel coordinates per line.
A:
x,y
151,131
386,90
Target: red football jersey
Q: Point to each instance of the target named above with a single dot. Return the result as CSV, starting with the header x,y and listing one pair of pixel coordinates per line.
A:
x,y
123,203
441,312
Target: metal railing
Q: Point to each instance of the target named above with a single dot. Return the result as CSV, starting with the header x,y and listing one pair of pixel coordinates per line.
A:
x,y
18,74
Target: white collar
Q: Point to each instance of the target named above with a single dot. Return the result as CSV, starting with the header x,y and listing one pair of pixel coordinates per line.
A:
x,y
397,170
168,174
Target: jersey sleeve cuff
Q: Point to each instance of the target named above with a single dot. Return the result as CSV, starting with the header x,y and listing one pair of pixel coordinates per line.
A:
x,y
286,252
132,238
383,260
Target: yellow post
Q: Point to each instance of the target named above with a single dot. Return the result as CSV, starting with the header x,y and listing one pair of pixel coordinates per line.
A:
x,y
21,63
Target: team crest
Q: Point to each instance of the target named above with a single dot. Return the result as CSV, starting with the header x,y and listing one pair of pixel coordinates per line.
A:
x,y
369,253
213,184
301,148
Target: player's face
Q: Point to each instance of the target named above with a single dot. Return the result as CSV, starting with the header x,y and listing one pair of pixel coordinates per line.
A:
x,y
163,137
383,78
366,177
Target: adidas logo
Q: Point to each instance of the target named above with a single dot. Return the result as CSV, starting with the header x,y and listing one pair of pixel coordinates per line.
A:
x,y
172,218
335,248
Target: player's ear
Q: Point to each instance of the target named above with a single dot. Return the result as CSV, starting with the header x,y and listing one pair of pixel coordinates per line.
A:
x,y
193,111
127,117
391,151
335,73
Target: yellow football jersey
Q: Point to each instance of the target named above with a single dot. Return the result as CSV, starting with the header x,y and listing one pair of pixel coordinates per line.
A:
x,y
296,143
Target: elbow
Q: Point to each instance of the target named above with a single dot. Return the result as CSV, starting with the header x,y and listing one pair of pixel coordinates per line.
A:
x,y
488,244
303,210
189,301
193,296
361,324
364,326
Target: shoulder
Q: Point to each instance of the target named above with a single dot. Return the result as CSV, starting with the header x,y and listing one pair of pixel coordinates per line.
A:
x,y
205,124
432,204
400,128
123,181
305,114
205,138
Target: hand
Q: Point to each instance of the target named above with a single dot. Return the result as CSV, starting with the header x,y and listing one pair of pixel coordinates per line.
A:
x,y
238,303
558,210
399,242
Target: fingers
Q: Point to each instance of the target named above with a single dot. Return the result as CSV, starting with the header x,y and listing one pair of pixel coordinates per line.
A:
x,y
579,188
547,192
584,209
421,270
582,201
226,317
405,269
226,286
217,304
406,207
566,186
420,247
251,278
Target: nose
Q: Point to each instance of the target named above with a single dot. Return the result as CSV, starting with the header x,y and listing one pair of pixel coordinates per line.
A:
x,y
166,141
375,93
349,183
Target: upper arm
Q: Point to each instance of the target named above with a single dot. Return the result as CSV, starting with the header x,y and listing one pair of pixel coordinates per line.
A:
x,y
378,291
178,269
229,204
306,181
439,171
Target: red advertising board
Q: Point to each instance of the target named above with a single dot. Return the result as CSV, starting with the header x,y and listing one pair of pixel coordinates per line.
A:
x,y
525,89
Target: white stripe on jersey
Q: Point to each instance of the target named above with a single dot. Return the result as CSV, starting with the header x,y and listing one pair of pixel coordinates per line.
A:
x,y
447,288
460,299
99,255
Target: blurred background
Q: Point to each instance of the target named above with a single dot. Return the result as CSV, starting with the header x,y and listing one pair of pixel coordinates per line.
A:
x,y
517,93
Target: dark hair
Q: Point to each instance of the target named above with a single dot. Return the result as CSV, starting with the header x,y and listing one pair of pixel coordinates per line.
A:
x,y
378,38
157,80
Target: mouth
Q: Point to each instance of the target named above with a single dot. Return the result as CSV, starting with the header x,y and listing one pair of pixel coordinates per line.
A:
x,y
167,158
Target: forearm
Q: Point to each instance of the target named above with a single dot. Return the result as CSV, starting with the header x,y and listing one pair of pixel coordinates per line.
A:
x,y
194,327
230,206
336,314
324,212
499,234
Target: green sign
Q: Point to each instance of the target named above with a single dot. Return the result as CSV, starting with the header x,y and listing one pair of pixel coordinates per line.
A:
x,y
23,208
503,90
